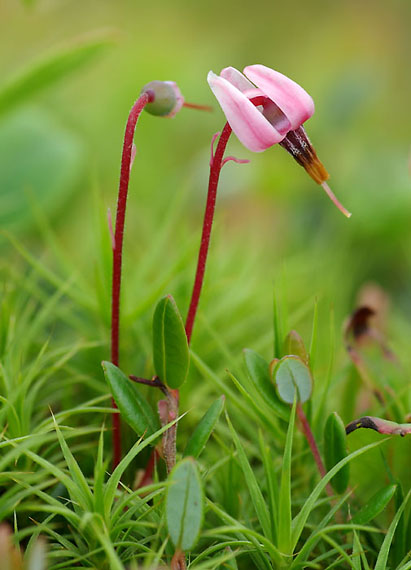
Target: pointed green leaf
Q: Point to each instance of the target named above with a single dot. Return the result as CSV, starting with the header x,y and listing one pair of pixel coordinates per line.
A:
x,y
284,503
134,409
375,505
204,429
184,504
300,519
256,494
259,372
170,347
335,450
381,563
400,545
292,376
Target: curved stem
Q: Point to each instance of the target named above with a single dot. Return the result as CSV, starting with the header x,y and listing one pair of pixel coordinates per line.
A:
x,y
215,169
126,160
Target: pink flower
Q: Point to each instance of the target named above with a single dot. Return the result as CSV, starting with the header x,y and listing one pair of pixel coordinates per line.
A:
x,y
286,108
264,107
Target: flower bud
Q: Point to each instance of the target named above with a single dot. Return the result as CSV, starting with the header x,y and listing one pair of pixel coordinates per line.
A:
x,y
167,98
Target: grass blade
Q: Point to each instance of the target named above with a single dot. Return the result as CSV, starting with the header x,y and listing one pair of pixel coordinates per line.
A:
x,y
204,429
300,520
381,562
284,503
252,484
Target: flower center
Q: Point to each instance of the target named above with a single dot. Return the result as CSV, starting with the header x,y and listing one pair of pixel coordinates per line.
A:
x,y
272,113
276,117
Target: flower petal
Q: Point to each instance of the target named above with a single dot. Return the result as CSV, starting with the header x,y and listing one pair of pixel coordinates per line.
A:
x,y
237,79
250,126
292,99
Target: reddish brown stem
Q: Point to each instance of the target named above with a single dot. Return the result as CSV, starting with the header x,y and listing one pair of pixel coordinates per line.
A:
x,y
178,562
313,445
215,169
147,477
311,441
118,251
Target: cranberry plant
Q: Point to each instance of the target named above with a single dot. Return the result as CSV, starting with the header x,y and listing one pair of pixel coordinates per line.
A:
x,y
190,450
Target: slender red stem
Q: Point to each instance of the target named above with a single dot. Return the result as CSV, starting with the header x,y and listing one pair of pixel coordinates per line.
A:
x,y
215,169
118,251
311,440
313,445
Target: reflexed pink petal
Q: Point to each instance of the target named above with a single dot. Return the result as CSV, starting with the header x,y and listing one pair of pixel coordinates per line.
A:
x,y
237,79
251,128
179,98
288,95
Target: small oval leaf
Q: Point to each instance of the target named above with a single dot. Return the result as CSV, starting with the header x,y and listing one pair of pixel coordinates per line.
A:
x,y
294,345
170,347
134,409
291,375
259,372
375,505
335,450
204,429
184,504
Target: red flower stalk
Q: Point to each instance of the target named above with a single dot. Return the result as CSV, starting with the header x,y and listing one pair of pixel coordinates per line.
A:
x,y
161,98
270,111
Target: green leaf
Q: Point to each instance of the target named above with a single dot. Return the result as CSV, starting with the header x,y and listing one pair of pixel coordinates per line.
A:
x,y
381,563
170,347
51,69
134,409
257,498
184,504
284,503
293,376
258,370
204,429
375,505
271,483
400,545
77,476
114,480
294,345
335,450
300,519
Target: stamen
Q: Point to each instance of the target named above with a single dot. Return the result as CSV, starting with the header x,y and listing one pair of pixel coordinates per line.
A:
x,y
299,146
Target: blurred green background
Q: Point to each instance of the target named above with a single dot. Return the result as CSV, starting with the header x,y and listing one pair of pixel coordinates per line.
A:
x,y
60,149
